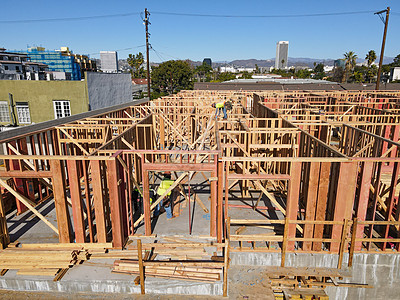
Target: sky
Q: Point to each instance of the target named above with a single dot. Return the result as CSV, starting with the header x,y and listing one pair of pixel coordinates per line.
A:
x,y
195,37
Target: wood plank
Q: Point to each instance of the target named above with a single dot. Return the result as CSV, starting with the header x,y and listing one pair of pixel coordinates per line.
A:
x,y
115,204
60,200
311,202
344,199
292,200
76,199
141,268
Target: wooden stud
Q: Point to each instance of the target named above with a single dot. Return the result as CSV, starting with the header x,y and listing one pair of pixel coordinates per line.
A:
x,y
141,267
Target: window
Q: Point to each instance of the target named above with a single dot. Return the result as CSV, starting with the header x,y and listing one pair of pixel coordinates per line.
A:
x,y
5,67
24,117
17,68
61,108
4,113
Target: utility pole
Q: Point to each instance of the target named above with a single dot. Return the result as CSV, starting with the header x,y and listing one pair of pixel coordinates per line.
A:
x,y
378,79
146,22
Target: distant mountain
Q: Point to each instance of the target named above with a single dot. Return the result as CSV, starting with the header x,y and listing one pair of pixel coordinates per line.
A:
x,y
251,63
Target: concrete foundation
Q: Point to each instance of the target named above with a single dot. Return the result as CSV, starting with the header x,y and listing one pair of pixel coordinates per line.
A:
x,y
95,277
382,271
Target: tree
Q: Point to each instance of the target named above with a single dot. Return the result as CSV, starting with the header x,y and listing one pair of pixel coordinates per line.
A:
x,y
225,76
171,77
338,74
371,73
357,76
319,72
350,58
396,61
303,73
257,70
370,57
203,72
246,75
136,62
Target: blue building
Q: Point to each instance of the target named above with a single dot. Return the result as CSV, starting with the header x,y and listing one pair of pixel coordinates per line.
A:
x,y
57,60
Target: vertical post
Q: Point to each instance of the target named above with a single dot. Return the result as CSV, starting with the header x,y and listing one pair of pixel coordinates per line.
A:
x,y
285,241
141,269
353,241
344,198
76,200
390,200
60,200
323,188
226,266
4,236
383,46
293,200
219,202
311,203
115,204
363,199
146,22
343,243
226,201
146,199
98,201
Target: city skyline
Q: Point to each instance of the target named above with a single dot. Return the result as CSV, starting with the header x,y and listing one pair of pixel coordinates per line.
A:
x,y
182,30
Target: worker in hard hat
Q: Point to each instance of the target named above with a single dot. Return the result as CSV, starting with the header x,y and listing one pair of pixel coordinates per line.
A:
x,y
168,203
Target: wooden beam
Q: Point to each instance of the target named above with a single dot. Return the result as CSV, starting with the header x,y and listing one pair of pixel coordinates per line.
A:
x,y
115,204
346,189
60,200
141,267
76,199
292,204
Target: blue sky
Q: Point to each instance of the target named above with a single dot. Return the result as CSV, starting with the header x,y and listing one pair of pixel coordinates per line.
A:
x,y
222,39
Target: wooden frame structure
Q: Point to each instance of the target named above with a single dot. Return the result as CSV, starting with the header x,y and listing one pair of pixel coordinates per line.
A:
x,y
326,162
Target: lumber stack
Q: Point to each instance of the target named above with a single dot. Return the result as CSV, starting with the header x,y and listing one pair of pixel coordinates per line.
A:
x,y
185,270
44,259
306,283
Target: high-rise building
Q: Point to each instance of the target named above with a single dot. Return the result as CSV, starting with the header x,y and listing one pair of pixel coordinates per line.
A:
x,y
281,59
109,61
208,62
62,61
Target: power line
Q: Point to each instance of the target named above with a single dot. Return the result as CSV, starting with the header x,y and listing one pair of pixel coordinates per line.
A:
x,y
184,15
264,16
130,48
159,55
71,18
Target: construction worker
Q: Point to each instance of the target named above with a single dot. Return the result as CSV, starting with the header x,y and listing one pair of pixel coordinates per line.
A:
x,y
220,106
168,203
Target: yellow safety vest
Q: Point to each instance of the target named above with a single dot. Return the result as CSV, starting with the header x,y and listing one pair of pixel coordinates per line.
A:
x,y
220,105
164,185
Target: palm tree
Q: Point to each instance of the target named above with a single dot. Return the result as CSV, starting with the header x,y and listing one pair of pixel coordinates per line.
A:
x,y
370,57
350,58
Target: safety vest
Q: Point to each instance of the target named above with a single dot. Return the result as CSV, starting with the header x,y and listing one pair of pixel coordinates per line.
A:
x,y
220,105
164,186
